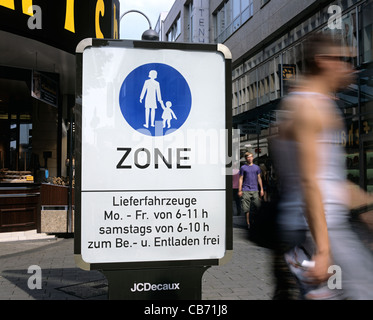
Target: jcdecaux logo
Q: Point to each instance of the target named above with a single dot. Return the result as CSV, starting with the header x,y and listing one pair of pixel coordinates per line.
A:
x,y
155,99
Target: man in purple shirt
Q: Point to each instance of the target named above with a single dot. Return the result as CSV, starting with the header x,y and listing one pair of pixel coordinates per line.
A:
x,y
248,186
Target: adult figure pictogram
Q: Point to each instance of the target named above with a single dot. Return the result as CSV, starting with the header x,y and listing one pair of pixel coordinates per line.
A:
x,y
153,93
142,94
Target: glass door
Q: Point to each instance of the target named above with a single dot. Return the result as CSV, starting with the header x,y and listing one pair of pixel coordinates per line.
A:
x,y
15,125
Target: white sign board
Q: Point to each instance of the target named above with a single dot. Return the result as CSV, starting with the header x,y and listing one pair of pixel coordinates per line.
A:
x,y
153,154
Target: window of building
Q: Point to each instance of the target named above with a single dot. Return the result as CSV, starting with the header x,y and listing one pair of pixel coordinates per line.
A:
x,y
191,21
236,8
288,49
220,25
175,31
263,2
230,17
267,84
235,104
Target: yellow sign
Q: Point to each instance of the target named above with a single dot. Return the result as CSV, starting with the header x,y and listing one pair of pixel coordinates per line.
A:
x,y
288,71
62,23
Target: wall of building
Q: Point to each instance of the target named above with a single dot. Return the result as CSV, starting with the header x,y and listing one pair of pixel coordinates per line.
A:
x,y
177,11
268,22
194,20
267,49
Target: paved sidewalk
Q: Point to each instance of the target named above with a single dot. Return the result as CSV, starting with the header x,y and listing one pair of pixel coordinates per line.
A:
x,y
246,276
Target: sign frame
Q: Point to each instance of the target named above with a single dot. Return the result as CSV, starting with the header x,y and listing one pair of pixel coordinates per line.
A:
x,y
150,45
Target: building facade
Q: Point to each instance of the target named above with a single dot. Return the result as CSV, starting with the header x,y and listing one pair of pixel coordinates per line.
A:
x,y
266,40
38,39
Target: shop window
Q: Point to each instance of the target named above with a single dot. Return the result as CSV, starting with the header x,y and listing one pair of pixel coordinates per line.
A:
x,y
352,166
366,126
15,126
368,166
350,35
367,33
366,89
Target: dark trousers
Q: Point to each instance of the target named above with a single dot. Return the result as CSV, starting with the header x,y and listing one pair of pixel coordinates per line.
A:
x,y
237,202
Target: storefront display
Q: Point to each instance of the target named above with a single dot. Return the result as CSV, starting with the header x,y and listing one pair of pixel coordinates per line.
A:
x,y
37,95
7,176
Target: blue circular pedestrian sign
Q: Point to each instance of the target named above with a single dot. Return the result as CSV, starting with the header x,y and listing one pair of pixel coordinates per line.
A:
x,y
155,99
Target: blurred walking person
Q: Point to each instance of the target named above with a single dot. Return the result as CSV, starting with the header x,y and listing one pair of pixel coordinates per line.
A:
x,y
315,195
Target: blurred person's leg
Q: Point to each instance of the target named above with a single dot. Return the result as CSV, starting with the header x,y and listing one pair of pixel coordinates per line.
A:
x,y
355,261
246,204
286,284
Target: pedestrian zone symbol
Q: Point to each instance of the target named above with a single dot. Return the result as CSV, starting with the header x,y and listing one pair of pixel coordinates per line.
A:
x,y
155,99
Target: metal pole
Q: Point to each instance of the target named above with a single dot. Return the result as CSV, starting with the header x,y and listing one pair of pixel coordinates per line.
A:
x,y
70,215
129,11
258,137
150,34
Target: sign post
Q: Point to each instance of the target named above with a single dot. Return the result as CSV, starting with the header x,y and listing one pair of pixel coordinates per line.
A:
x,y
153,182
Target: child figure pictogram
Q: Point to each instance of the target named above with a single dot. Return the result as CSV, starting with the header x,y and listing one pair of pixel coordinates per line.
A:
x,y
167,114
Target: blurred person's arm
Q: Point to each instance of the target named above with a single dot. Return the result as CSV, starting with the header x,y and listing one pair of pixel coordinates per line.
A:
x,y
358,197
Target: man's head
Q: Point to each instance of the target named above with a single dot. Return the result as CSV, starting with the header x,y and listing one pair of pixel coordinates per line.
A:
x,y
249,157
